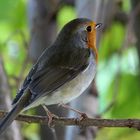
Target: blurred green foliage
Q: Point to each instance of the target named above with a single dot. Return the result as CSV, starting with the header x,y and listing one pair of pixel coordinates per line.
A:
x,y
116,74
65,14
13,30
112,41
118,80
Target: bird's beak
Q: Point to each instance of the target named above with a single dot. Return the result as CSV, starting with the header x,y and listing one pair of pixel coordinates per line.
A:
x,y
98,25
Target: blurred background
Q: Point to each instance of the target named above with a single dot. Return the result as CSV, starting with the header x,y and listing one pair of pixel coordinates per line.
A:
x,y
27,27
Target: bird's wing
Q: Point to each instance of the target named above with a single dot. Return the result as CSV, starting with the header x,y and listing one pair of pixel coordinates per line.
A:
x,y
32,72
55,74
51,79
52,71
25,85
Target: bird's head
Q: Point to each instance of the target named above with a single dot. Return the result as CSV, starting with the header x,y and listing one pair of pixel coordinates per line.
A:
x,y
82,32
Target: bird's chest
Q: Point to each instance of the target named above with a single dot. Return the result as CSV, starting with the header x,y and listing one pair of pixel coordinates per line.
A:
x,y
73,88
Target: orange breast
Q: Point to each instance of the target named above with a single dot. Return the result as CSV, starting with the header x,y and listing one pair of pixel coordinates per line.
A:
x,y
92,40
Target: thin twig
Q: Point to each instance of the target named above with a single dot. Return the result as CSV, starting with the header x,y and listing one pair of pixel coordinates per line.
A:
x,y
62,121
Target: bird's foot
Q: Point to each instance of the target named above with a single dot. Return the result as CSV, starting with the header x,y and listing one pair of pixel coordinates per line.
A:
x,y
50,116
82,114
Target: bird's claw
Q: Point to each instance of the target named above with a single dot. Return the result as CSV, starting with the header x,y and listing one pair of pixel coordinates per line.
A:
x,y
83,116
50,118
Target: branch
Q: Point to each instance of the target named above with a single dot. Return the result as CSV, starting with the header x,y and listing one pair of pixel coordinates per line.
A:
x,y
130,123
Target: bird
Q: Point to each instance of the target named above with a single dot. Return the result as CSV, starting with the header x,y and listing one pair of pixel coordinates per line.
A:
x,y
63,71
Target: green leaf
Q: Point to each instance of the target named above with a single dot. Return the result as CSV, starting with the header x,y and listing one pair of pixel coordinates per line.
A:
x,y
111,41
65,14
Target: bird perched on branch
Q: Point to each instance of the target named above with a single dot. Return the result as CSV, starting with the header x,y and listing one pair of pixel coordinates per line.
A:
x,y
62,72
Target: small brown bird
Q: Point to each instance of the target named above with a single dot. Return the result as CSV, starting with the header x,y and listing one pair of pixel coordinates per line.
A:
x,y
62,72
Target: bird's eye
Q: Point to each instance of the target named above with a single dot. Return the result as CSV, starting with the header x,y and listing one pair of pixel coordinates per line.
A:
x,y
89,29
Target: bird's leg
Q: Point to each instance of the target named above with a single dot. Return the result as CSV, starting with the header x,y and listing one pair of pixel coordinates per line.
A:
x,y
50,115
82,114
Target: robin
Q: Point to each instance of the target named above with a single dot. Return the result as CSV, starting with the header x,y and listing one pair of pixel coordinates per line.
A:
x,y
62,72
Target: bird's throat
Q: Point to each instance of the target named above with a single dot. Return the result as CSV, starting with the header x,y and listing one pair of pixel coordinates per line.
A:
x,y
92,43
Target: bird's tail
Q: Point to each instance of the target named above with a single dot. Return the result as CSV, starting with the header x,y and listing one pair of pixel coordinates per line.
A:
x,y
8,119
